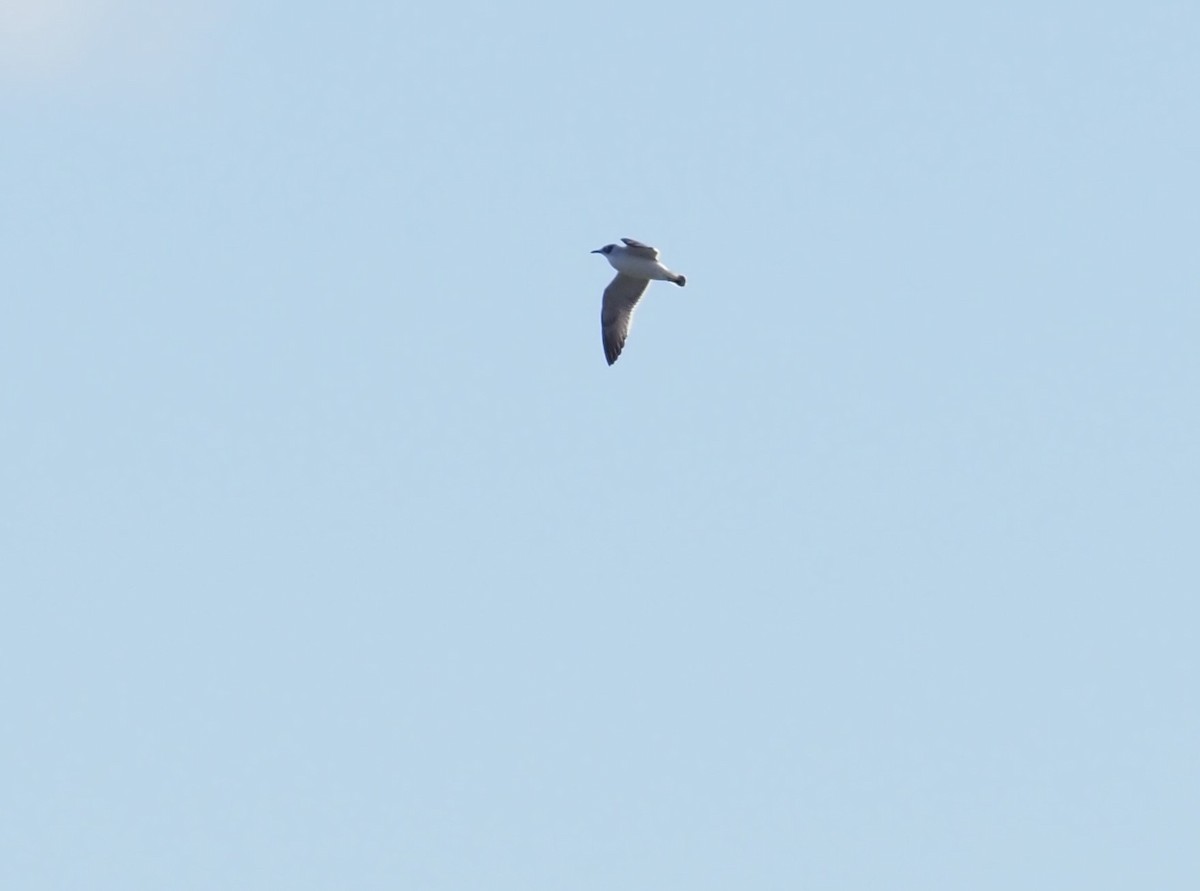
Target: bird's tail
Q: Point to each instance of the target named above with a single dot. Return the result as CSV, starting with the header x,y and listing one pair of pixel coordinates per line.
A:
x,y
680,280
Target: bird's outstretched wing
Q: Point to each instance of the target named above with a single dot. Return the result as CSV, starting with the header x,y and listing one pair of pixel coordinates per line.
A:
x,y
616,312
642,250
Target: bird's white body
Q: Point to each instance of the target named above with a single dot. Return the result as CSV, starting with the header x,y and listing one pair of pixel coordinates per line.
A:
x,y
636,264
627,262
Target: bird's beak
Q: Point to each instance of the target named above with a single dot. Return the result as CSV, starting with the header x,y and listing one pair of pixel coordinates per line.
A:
x,y
597,252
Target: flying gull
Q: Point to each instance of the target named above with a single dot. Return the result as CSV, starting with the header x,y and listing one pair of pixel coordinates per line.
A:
x,y
636,264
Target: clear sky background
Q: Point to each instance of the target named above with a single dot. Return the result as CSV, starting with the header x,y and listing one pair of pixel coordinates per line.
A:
x,y
334,556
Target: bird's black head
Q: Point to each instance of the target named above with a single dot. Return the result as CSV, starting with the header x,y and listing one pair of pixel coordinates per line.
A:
x,y
607,249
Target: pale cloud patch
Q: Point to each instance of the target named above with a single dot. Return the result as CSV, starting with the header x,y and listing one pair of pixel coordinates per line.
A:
x,y
43,38
52,42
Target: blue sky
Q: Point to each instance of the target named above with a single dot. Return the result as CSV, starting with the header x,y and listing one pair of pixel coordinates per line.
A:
x,y
335,556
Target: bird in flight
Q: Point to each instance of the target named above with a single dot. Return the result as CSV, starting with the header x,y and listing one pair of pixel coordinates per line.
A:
x,y
636,264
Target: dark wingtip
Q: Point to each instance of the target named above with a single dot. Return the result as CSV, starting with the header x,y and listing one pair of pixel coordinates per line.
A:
x,y
681,280
612,350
